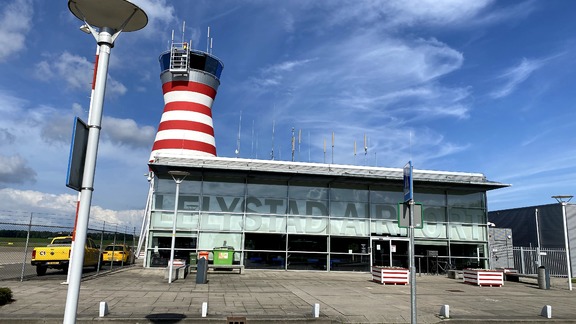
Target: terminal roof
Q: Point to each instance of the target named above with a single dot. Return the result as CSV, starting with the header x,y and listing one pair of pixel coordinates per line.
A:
x,y
345,173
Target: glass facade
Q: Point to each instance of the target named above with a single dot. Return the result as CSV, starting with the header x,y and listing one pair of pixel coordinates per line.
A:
x,y
315,225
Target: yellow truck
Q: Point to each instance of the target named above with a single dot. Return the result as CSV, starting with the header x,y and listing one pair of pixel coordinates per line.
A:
x,y
57,255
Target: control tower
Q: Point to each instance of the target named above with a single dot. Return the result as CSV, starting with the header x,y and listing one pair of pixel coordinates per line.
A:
x,y
190,80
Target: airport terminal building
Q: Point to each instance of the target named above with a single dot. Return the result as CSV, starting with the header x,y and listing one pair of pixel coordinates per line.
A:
x,y
308,216
291,215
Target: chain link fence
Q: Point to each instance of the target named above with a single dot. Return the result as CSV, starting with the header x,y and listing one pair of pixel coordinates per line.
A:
x,y
20,232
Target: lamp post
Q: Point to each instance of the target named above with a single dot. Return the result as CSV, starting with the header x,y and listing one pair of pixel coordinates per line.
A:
x,y
105,20
563,200
178,177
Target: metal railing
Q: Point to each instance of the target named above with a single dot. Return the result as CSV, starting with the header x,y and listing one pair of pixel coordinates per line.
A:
x,y
21,232
526,260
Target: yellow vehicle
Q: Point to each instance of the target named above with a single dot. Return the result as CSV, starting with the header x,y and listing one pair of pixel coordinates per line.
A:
x,y
57,255
118,253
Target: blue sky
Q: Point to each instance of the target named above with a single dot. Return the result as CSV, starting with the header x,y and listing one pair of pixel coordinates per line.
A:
x,y
472,86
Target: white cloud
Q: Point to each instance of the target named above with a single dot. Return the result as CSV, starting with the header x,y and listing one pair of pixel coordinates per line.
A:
x,y
15,169
432,11
127,132
160,13
77,73
407,12
15,23
45,203
515,76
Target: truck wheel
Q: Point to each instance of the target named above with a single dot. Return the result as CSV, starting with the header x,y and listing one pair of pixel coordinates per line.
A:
x,y
41,270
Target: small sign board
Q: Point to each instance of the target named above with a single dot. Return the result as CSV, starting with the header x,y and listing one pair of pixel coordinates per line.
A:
x,y
408,183
78,148
404,215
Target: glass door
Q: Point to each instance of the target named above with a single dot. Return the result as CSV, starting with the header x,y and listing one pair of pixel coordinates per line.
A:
x,y
388,252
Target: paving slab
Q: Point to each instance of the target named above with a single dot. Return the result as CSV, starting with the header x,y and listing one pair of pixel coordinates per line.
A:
x,y
140,295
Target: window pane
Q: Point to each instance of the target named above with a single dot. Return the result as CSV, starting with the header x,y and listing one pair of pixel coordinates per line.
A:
x,y
466,199
357,194
307,192
257,241
307,243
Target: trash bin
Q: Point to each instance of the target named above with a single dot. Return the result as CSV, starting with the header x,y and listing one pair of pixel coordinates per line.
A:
x,y
203,254
223,255
543,278
202,271
193,259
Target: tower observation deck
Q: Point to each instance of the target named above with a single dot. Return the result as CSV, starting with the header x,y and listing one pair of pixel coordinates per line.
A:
x,y
190,80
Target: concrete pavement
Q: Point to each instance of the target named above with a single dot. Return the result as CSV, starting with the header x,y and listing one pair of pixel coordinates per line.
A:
x,y
138,295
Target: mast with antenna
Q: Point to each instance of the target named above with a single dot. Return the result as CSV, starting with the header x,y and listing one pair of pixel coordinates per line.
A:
x,y
272,153
332,147
252,149
365,150
208,40
293,144
299,142
309,148
183,30
238,140
324,150
354,152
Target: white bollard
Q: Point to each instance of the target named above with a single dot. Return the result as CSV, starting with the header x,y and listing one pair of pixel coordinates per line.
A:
x,y
316,310
546,311
445,311
103,309
204,309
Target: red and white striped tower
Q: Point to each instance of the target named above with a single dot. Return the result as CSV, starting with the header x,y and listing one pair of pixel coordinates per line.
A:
x,y
190,80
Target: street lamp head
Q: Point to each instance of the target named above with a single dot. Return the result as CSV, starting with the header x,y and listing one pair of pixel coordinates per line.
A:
x,y
115,14
178,173
563,198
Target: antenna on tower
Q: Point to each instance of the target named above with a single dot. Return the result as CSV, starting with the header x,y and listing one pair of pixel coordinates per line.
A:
x,y
238,140
208,40
183,30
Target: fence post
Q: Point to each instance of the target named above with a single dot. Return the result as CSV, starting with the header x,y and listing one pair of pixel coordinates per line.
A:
x,y
113,248
101,243
522,260
124,245
26,248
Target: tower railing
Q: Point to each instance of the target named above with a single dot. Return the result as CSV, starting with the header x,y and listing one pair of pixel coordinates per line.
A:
x,y
179,58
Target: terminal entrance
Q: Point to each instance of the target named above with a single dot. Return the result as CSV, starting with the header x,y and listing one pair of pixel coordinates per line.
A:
x,y
389,252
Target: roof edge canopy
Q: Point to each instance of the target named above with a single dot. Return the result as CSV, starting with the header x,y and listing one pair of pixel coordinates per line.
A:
x,y
164,162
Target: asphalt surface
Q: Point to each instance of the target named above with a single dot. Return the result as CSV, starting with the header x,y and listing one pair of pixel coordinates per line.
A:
x,y
139,295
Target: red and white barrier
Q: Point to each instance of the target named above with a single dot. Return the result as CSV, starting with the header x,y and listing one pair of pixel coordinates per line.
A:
x,y
483,277
390,276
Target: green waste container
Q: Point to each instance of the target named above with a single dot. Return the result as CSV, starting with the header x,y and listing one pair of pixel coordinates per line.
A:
x,y
223,255
193,259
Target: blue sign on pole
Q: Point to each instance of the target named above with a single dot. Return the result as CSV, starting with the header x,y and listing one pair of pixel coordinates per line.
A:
x,y
408,187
